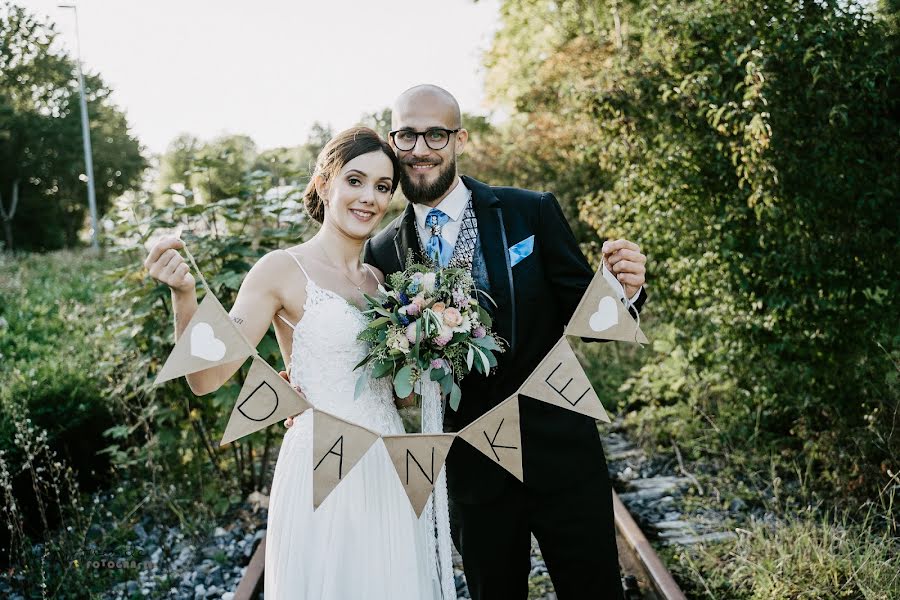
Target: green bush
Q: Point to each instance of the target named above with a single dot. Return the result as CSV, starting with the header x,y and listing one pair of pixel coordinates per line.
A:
x,y
52,415
50,344
750,149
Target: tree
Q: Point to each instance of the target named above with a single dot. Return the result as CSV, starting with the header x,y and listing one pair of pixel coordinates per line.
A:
x,y
41,133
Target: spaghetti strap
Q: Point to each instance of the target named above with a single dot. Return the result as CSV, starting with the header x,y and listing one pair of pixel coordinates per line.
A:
x,y
297,260
286,321
372,272
308,279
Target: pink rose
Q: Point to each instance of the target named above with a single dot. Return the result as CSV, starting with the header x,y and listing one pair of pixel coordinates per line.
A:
x,y
438,307
412,309
452,317
479,332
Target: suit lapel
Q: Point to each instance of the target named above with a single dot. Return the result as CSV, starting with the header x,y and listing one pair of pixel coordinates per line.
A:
x,y
492,234
406,238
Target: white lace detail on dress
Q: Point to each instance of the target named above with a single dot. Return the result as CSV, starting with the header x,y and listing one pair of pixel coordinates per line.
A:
x,y
324,352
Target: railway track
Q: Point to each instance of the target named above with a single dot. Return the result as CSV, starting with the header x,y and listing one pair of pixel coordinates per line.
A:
x,y
646,577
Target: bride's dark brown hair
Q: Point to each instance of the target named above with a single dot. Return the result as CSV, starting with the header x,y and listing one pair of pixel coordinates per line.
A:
x,y
340,150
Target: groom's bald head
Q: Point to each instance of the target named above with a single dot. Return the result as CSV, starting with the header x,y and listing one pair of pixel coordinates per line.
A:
x,y
430,99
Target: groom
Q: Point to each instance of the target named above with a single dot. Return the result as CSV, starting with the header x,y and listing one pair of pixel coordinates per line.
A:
x,y
566,500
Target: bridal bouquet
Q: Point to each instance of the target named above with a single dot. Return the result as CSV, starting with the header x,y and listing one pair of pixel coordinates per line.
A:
x,y
428,323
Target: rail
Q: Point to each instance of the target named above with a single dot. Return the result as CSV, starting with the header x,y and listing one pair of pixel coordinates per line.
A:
x,y
636,556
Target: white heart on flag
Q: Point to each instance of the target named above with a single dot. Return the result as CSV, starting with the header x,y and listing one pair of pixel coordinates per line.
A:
x,y
205,344
606,316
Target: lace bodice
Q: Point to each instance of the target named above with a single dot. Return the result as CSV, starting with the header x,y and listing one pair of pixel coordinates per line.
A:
x,y
324,352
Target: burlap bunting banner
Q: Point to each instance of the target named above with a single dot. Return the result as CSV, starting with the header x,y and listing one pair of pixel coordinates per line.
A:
x,y
496,434
265,399
601,315
418,458
560,380
210,339
337,446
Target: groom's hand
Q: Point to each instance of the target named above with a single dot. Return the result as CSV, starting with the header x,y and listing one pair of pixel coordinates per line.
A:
x,y
284,375
625,260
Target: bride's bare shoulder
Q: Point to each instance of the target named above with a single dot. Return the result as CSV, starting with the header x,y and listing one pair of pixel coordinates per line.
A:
x,y
278,260
273,266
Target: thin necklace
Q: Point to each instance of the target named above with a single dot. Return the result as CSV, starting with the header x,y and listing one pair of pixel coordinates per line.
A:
x,y
341,271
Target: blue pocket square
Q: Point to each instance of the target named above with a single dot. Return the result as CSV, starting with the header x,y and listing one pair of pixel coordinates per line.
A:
x,y
520,251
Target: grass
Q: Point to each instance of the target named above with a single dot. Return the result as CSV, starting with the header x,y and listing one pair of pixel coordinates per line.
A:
x,y
804,556
794,542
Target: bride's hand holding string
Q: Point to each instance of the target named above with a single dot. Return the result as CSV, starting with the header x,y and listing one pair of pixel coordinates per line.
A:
x,y
167,266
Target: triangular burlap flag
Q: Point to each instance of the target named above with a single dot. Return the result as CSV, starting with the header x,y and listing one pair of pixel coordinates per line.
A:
x,y
601,315
210,339
561,381
496,434
418,458
337,446
265,399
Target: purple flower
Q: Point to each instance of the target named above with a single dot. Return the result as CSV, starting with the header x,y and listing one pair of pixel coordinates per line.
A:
x,y
404,299
437,363
404,320
459,298
412,309
479,332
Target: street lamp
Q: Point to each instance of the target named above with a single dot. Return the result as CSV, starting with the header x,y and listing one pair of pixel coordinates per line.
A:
x,y
86,137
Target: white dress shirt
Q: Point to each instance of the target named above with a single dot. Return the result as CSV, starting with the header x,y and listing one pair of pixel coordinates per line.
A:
x,y
454,206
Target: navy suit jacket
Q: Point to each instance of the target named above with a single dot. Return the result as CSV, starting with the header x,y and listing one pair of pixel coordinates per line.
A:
x,y
535,299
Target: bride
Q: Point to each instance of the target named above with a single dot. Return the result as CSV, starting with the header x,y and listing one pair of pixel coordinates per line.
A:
x,y
364,540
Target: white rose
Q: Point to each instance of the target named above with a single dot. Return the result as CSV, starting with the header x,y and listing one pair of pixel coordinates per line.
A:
x,y
398,341
428,282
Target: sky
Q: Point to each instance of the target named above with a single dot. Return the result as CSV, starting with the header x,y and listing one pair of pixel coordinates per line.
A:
x,y
271,68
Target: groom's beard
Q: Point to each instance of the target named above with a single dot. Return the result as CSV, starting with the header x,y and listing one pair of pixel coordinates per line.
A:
x,y
425,193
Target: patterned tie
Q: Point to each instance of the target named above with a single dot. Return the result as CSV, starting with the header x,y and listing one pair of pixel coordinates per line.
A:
x,y
437,247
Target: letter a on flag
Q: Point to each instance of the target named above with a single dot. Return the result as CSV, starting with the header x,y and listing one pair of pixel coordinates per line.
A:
x,y
560,380
337,446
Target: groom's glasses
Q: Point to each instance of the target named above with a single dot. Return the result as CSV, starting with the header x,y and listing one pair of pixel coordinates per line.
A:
x,y
435,138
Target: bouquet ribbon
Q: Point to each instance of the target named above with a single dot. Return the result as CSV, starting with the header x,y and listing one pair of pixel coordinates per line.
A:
x,y
437,511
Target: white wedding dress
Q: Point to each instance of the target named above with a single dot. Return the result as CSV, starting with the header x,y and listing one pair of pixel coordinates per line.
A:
x,y
364,541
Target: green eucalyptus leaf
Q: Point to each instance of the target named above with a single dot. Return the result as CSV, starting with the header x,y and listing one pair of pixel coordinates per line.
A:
x,y
403,385
455,397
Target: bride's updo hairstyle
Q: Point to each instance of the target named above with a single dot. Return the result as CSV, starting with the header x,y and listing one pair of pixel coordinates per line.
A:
x,y
340,150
